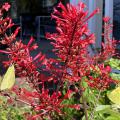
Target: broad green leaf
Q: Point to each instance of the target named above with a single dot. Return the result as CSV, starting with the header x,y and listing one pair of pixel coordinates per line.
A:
x,y
102,108
84,84
114,96
115,76
115,106
89,95
8,79
114,63
113,118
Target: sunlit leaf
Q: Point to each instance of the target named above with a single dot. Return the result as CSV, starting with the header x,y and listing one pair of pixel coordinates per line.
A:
x,y
114,63
102,108
113,118
114,96
115,76
0,79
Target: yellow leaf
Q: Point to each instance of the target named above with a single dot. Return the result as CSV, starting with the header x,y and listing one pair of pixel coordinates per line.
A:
x,y
114,96
8,79
0,79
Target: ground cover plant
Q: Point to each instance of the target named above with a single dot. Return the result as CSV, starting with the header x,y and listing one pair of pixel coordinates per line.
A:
x,y
84,87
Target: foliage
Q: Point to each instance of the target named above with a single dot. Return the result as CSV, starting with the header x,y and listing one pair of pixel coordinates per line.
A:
x,y
115,76
10,111
114,96
75,72
114,63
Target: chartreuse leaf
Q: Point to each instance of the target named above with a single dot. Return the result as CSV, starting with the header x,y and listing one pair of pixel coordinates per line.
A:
x,y
113,118
0,79
114,115
115,76
101,108
114,96
8,79
109,110
114,63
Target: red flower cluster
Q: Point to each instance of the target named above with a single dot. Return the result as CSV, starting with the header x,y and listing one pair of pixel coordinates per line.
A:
x,y
99,77
72,41
72,38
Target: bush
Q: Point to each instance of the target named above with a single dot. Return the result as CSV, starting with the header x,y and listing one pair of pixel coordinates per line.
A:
x,y
81,80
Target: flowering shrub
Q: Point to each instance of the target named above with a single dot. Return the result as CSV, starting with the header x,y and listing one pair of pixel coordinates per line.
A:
x,y
71,42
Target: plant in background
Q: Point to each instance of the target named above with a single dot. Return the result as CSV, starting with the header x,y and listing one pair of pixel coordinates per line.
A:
x,y
72,72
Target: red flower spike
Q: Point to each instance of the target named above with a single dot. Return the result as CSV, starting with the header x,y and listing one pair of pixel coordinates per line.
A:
x,y
108,47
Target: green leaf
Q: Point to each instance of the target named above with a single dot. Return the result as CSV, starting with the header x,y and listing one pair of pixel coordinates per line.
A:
x,y
102,108
84,84
113,118
8,79
115,76
0,79
114,96
114,63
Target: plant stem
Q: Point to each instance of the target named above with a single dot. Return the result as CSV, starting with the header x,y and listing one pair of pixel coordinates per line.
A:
x,y
84,106
83,100
23,102
92,113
